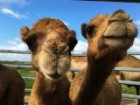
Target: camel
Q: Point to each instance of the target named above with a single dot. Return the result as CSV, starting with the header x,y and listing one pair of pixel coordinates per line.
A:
x,y
50,43
108,37
11,86
132,62
127,61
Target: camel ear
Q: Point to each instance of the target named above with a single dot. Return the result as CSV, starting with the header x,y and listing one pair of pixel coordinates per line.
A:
x,y
83,30
29,37
24,31
72,41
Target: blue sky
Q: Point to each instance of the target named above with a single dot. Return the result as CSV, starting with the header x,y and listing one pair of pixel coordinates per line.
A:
x,y
17,13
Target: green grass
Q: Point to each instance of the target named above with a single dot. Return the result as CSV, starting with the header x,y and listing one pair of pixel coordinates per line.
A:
x,y
128,90
31,73
29,84
27,73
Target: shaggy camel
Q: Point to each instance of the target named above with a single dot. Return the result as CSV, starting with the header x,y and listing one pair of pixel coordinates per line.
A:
x,y
132,62
50,43
109,37
11,87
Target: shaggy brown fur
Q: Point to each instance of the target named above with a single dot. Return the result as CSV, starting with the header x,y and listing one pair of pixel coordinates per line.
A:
x,y
108,38
51,43
11,87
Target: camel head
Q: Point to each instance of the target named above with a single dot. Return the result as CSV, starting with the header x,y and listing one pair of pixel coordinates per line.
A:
x,y
109,34
50,43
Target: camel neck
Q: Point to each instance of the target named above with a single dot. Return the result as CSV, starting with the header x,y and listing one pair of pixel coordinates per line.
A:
x,y
99,69
96,73
49,92
45,85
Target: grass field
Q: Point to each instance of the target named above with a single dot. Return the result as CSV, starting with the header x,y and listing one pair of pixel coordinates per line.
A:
x,y
129,90
27,73
31,73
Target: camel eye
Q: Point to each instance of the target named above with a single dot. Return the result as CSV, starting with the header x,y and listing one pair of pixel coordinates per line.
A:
x,y
90,29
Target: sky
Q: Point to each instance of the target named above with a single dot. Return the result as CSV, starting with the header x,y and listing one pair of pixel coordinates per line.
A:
x,y
17,13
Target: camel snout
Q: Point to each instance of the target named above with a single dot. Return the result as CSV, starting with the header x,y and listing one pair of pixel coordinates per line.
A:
x,y
120,15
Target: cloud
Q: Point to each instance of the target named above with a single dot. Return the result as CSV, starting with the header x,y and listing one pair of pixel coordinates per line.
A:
x,y
81,47
18,2
66,23
136,46
15,57
14,44
11,13
137,22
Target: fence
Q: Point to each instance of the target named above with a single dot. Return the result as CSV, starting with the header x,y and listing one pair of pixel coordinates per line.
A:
x,y
125,82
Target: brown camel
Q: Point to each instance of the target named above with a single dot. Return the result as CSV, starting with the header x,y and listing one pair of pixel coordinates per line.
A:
x,y
50,43
132,62
11,87
109,37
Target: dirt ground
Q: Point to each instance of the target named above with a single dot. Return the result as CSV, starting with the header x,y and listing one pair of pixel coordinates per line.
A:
x,y
129,102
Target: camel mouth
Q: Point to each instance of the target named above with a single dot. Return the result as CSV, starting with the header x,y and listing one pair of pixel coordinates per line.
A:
x,y
118,43
54,66
55,76
118,38
115,37
52,76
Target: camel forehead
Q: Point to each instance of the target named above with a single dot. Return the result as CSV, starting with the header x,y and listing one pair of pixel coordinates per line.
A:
x,y
97,20
46,24
48,21
53,35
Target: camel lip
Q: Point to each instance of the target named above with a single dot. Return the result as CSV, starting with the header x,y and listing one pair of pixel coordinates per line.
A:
x,y
55,76
115,37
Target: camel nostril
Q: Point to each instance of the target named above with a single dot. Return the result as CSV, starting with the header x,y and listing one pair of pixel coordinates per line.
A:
x,y
120,16
129,20
62,49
